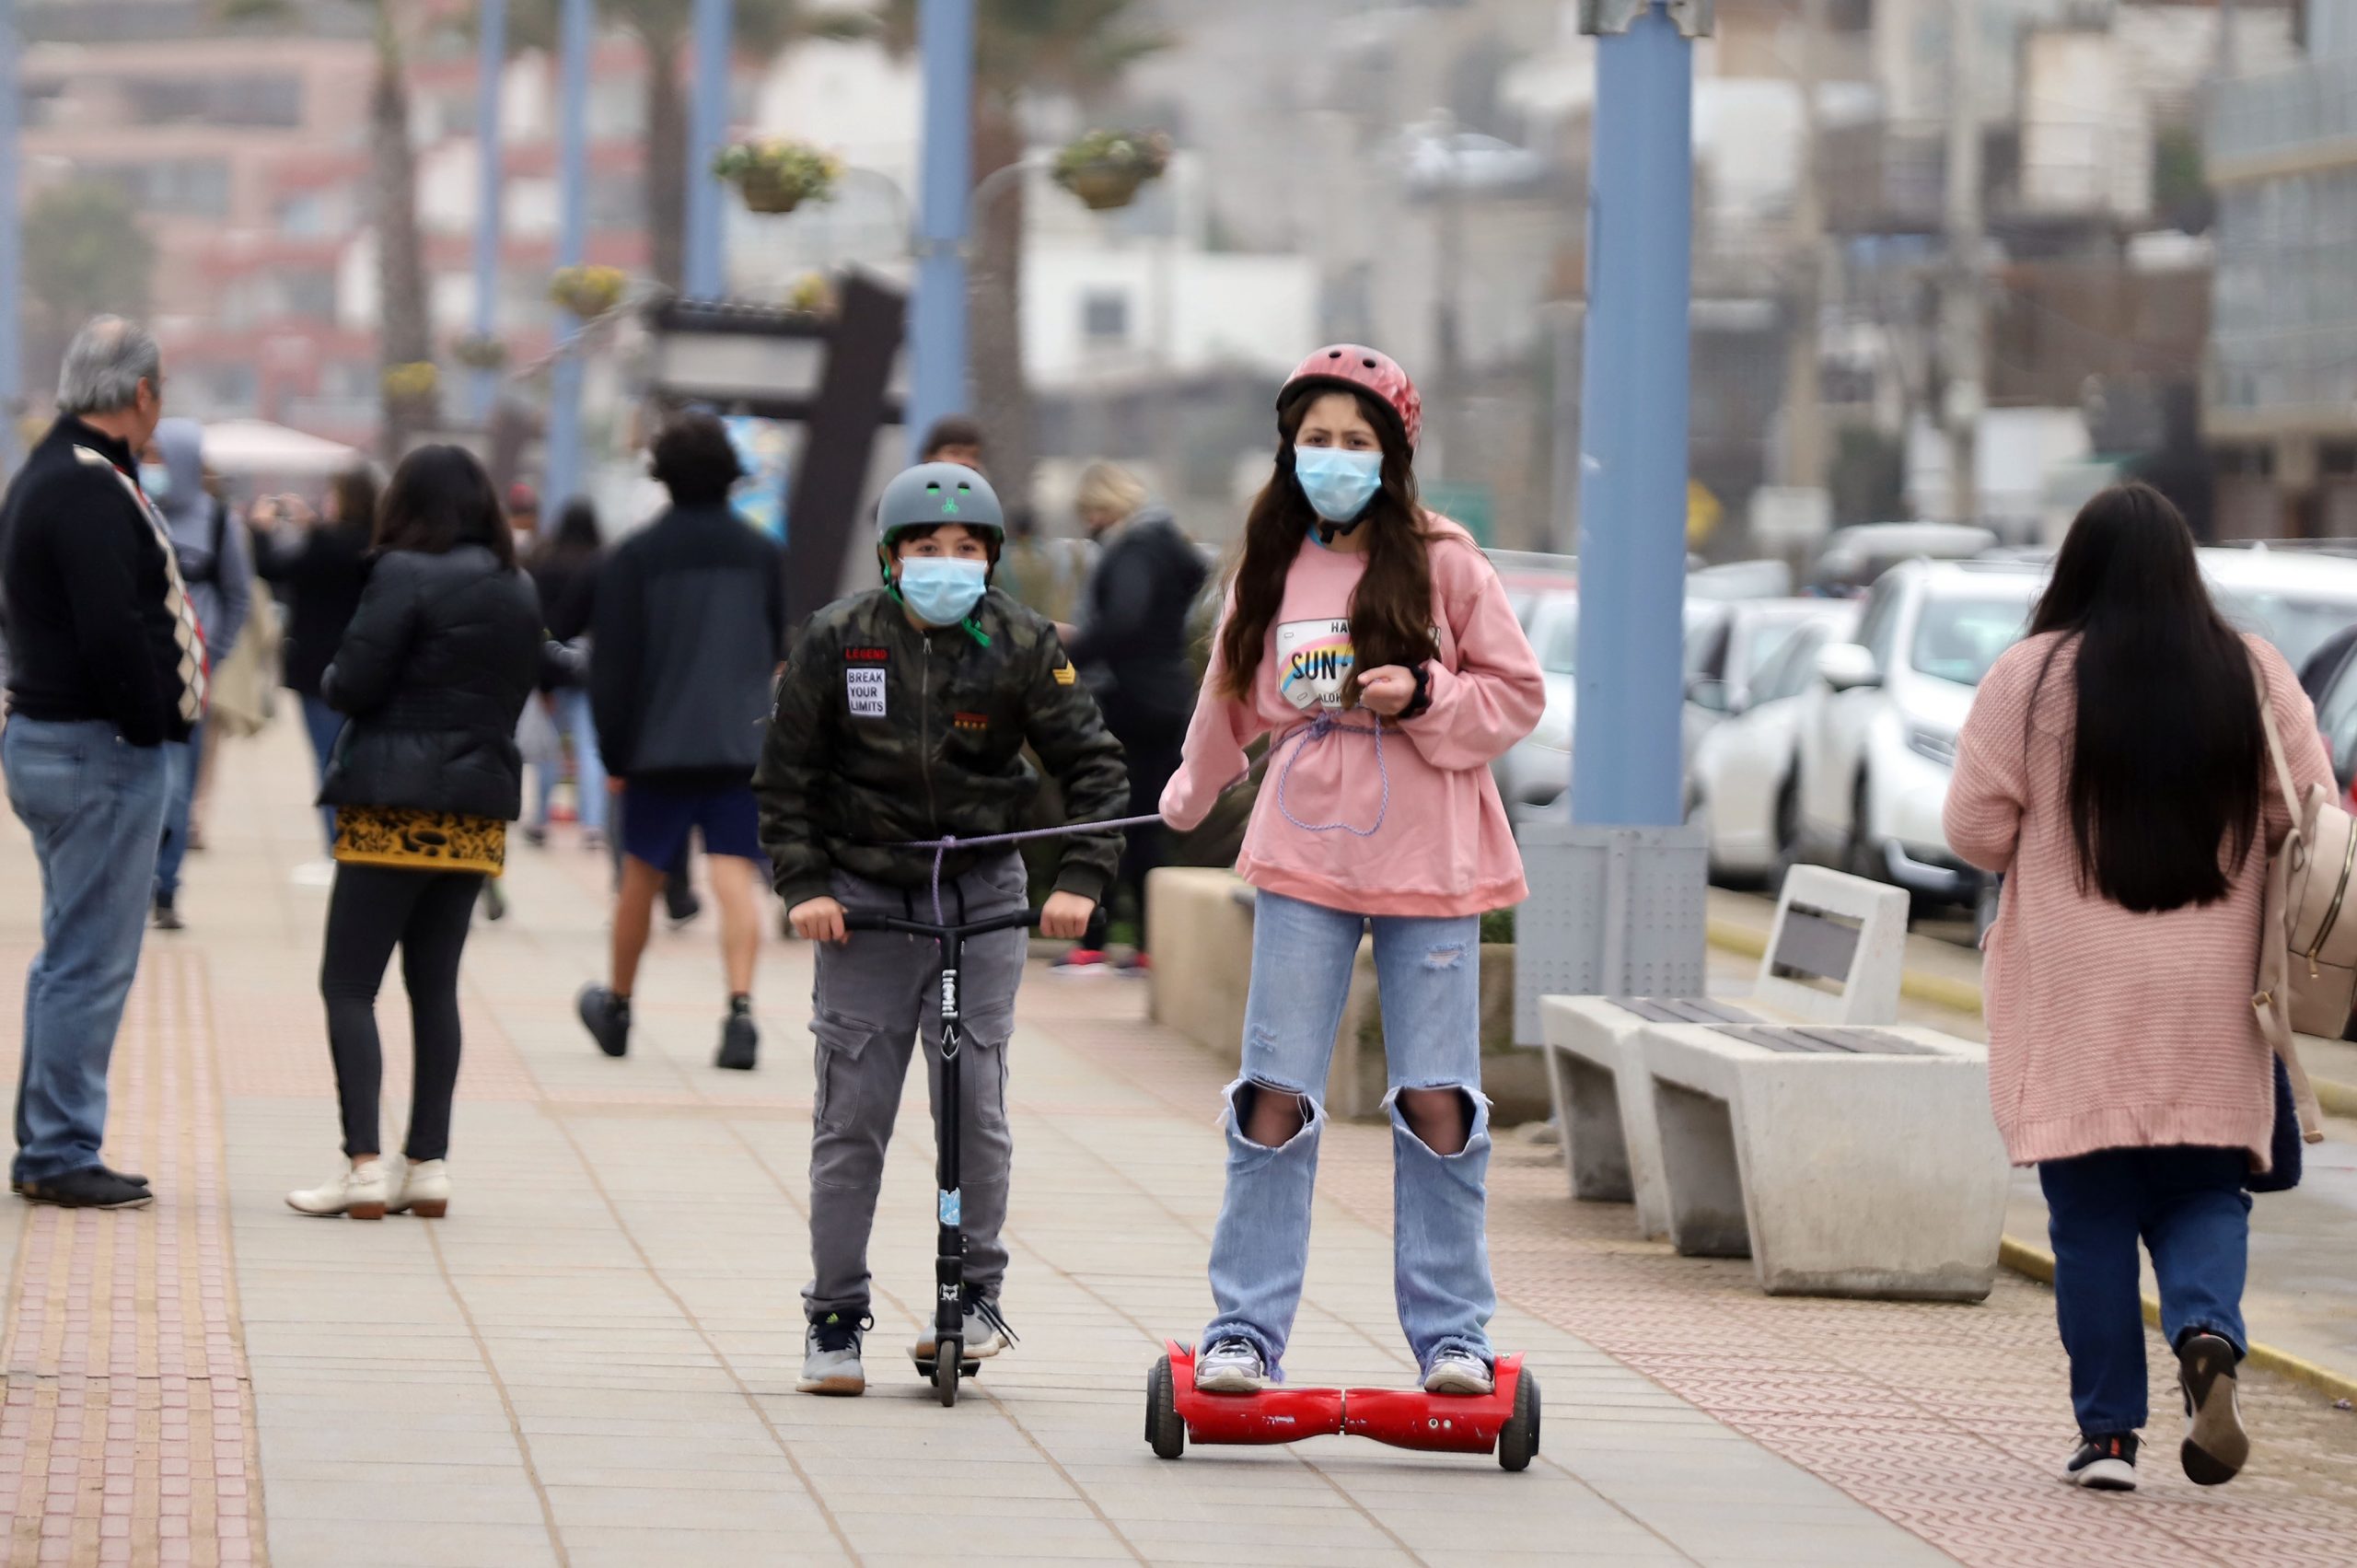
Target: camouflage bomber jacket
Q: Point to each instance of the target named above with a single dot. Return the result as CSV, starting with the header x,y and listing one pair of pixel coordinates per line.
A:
x,y
884,734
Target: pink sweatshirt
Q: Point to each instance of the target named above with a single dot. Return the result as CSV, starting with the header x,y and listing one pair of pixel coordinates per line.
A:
x,y
1442,845
2107,1029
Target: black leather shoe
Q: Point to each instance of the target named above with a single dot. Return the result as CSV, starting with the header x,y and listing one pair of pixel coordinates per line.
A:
x,y
94,1187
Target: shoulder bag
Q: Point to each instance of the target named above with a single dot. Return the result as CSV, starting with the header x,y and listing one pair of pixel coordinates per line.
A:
x,y
2307,949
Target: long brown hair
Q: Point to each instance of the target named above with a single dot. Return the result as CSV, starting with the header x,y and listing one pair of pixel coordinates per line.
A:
x,y
1391,609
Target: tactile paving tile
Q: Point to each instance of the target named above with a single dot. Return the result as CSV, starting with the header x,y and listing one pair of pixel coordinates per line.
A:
x,y
128,1432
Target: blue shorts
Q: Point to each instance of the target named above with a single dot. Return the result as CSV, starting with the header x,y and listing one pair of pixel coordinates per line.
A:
x,y
656,821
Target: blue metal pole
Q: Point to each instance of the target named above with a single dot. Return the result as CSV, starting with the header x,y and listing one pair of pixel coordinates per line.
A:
x,y
937,317
491,42
564,466
706,265
11,243
1625,746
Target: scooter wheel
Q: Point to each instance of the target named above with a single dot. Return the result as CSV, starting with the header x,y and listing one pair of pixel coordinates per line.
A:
x,y
1164,1430
944,1370
1518,1438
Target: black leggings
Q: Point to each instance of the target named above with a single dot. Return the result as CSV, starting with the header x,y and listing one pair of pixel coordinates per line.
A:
x,y
373,909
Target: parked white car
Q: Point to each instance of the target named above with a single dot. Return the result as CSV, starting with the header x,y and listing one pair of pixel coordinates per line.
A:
x,y
1879,728
1537,771
2294,598
1740,781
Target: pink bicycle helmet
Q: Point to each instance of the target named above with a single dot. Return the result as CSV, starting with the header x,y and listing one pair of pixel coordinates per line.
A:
x,y
1361,369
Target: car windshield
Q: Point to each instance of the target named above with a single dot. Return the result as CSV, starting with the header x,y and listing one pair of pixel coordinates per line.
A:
x,y
1958,638
1561,655
1771,633
2297,627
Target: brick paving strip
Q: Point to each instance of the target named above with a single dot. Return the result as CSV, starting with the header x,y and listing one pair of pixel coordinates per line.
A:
x,y
1949,1419
128,1432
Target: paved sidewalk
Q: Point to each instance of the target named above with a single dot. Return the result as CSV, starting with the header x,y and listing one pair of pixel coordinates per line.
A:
x,y
591,1361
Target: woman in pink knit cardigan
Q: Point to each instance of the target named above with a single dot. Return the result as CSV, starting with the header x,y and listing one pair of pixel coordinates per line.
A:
x,y
2115,771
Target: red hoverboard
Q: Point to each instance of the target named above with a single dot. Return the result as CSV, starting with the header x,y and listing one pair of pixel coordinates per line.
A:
x,y
1504,1420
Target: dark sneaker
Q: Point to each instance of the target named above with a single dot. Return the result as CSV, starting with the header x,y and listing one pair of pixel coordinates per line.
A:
x,y
1137,966
1081,960
2104,1464
537,837
2215,1447
607,1017
494,903
830,1355
740,1044
1231,1367
94,1187
167,917
985,1332
679,901
18,1187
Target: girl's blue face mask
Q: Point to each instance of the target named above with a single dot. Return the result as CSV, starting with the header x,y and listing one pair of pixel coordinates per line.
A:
x,y
1338,484
156,481
941,590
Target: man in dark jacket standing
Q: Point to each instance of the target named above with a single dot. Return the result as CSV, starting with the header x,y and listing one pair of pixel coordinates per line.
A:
x,y
108,667
689,628
1131,646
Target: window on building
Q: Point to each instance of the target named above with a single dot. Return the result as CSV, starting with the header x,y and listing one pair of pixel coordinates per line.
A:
x,y
303,216
617,109
1105,316
182,187
242,100
310,293
617,200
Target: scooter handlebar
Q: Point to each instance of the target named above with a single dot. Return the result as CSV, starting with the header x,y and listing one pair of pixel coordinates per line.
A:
x,y
1012,919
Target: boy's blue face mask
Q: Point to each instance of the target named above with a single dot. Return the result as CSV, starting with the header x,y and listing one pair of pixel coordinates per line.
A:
x,y
156,481
1338,484
942,590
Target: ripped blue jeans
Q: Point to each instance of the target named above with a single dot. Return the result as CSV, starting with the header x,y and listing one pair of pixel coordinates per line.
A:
x,y
1430,975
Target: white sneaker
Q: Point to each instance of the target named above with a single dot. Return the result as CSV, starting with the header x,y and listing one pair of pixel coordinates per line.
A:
x,y
313,874
985,1335
358,1192
423,1189
1458,1371
1231,1367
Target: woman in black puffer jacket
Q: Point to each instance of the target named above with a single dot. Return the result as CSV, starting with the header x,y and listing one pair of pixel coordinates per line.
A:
x,y
432,675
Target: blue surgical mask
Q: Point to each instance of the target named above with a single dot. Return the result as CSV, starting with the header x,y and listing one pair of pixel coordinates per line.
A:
x,y
156,481
1338,484
941,590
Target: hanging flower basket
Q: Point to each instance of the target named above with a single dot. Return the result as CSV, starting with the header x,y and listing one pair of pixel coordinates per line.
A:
x,y
412,385
812,293
779,176
587,292
1106,168
478,352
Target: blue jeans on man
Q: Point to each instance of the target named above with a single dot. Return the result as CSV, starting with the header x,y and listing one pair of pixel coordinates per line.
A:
x,y
93,804
183,756
2188,1206
322,724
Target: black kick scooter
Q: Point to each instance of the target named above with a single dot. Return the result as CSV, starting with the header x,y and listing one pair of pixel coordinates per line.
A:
x,y
949,1361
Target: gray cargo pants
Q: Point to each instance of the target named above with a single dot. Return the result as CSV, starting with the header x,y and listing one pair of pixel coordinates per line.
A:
x,y
875,994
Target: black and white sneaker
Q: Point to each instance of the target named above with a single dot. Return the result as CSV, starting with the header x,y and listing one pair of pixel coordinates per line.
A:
x,y
2104,1464
2215,1447
740,1043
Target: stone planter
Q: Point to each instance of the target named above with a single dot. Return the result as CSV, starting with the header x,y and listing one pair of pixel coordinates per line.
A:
x,y
1104,187
767,191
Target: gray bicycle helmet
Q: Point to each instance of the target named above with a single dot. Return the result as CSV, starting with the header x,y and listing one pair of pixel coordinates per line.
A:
x,y
937,493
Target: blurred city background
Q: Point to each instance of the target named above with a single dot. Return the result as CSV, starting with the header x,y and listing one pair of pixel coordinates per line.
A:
x,y
2101,237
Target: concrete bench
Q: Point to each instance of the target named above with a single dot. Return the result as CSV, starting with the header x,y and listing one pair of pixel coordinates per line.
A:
x,y
1833,955
1845,1161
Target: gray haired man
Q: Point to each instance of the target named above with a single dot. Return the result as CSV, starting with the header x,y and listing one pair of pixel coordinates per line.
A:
x,y
107,668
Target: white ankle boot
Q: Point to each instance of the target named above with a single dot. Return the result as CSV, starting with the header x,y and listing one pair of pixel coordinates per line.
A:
x,y
424,1190
358,1192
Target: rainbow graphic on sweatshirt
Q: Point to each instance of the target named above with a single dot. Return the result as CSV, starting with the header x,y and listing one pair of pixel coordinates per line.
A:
x,y
1315,659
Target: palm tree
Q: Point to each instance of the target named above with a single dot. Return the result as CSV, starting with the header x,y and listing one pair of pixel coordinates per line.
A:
x,y
1082,49
405,334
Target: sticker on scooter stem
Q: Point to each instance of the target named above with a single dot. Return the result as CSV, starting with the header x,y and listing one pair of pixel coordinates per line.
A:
x,y
953,1208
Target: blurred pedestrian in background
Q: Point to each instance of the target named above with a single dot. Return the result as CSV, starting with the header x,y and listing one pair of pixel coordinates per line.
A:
x,y
690,633
432,673
2115,769
210,548
955,439
107,672
1130,647
318,562
1040,574
566,572
240,697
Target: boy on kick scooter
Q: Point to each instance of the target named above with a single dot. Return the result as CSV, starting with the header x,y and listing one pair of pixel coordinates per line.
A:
x,y
901,718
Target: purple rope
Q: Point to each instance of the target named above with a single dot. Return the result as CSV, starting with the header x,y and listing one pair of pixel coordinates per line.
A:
x,y
1318,728
942,845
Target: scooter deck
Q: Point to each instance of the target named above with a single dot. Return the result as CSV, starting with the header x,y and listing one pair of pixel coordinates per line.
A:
x,y
1403,1418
